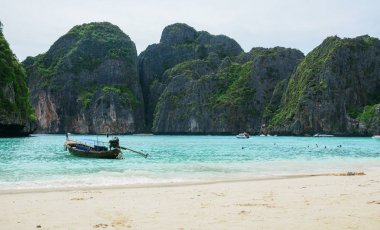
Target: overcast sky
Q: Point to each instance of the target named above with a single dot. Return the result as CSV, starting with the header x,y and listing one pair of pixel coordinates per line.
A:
x,y
32,26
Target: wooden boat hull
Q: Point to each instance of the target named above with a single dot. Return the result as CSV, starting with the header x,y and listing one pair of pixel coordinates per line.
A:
x,y
110,154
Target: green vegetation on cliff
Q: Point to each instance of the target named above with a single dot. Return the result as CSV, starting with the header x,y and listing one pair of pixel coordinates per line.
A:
x,y
107,40
237,91
305,81
367,115
83,48
14,101
123,94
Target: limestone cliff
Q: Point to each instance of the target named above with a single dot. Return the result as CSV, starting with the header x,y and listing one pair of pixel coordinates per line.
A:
x,y
179,42
92,81
87,82
16,114
334,90
223,95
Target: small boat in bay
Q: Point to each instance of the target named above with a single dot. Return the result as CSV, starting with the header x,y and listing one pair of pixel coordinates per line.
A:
x,y
323,135
97,149
376,137
242,135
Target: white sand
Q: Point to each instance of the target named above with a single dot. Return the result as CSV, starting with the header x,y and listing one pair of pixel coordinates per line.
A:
x,y
318,202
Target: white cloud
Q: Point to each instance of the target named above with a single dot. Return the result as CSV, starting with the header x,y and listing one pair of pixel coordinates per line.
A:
x,y
31,27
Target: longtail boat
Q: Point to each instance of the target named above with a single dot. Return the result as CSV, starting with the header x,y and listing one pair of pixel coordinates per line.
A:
x,y
97,149
84,149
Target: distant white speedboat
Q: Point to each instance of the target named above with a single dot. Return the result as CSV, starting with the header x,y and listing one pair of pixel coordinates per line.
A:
x,y
323,135
262,135
376,137
242,135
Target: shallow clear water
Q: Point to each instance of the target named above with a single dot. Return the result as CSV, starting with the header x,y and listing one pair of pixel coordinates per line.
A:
x,y
40,161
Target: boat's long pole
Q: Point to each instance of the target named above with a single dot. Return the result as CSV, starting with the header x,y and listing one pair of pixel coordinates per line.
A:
x,y
142,154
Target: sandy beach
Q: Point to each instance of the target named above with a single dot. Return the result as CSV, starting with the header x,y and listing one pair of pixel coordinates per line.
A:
x,y
298,202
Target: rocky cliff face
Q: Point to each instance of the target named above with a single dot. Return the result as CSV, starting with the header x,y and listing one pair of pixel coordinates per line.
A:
x,y
91,81
334,90
87,82
16,114
179,43
223,94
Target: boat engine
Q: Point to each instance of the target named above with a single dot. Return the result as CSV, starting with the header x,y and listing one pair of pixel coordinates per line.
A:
x,y
114,143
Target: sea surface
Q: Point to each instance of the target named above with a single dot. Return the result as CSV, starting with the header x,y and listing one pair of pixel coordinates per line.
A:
x,y
40,161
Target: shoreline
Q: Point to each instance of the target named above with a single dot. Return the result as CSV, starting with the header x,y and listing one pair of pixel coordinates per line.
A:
x,y
323,201
179,184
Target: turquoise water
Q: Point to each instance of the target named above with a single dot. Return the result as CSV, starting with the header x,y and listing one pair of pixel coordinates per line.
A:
x,y
40,161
